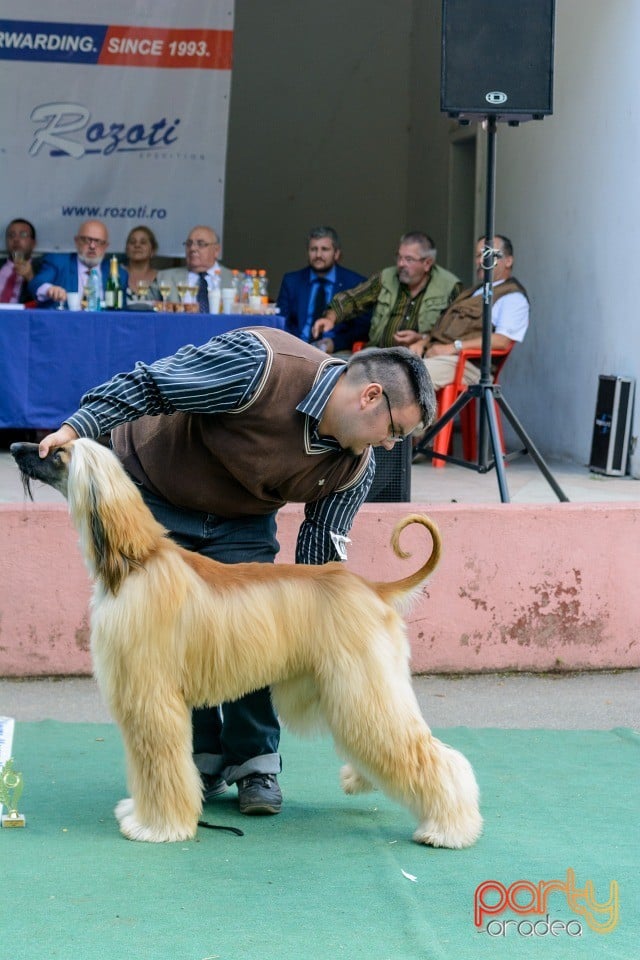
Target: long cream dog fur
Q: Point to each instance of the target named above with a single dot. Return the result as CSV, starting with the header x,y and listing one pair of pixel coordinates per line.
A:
x,y
172,630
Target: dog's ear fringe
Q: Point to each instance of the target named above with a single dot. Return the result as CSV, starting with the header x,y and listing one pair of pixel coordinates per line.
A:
x,y
111,565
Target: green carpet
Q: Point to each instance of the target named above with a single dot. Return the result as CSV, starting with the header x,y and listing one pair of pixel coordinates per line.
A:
x,y
325,879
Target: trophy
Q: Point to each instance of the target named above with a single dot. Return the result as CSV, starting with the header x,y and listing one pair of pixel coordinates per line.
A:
x,y
10,791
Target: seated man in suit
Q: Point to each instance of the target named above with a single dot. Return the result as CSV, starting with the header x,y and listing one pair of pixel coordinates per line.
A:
x,y
62,273
304,294
19,267
410,296
202,249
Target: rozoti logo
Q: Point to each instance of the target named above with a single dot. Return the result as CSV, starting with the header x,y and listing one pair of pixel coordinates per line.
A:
x,y
68,131
492,898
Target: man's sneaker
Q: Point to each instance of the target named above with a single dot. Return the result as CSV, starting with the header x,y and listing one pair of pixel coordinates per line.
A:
x,y
212,786
259,793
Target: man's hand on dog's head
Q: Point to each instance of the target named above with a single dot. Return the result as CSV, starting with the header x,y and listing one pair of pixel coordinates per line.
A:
x,y
64,435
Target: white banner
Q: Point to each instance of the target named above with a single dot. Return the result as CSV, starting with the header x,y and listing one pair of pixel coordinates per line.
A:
x,y
124,122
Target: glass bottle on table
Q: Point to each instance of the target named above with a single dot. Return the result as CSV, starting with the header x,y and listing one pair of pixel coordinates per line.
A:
x,y
113,294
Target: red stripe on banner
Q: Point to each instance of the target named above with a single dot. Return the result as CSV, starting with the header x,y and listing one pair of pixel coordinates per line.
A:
x,y
164,47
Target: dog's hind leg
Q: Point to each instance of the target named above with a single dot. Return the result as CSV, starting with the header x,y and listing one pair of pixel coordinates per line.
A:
x,y
353,781
166,792
376,722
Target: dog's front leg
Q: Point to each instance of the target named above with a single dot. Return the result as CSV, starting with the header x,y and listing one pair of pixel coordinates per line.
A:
x,y
166,792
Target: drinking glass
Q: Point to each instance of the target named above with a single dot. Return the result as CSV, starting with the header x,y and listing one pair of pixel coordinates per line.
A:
x,y
182,289
165,289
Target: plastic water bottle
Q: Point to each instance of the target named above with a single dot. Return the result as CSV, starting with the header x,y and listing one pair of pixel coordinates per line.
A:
x,y
236,283
215,292
246,287
263,286
94,300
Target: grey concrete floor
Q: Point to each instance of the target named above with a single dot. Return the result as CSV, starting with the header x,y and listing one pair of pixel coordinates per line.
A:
x,y
525,482
591,701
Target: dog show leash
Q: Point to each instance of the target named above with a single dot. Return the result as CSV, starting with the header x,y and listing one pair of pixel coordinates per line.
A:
x,y
219,826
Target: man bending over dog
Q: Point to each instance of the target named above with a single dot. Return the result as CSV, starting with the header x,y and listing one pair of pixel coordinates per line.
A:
x,y
220,436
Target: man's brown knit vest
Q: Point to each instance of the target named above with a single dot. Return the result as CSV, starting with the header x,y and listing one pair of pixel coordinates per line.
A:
x,y
247,461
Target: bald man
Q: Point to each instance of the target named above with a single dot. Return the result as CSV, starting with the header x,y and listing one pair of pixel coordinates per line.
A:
x,y
63,273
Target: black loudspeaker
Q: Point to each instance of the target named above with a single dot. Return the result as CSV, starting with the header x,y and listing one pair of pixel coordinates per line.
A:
x,y
392,482
497,59
612,426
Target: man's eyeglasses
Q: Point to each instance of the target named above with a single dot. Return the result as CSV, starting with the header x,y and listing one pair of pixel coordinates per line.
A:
x,y
18,235
395,436
200,244
409,260
93,241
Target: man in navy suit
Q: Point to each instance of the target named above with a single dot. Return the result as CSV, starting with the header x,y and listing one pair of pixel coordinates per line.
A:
x,y
62,273
305,294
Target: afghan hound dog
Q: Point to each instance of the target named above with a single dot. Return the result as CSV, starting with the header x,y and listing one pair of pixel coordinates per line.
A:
x,y
172,630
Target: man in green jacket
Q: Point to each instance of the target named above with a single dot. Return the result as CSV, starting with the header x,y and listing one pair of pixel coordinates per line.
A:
x,y
410,296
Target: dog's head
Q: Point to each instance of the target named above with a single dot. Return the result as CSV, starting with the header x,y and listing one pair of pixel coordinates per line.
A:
x,y
117,531
52,469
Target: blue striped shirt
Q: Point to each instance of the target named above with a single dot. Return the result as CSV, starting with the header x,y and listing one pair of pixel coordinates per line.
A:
x,y
221,375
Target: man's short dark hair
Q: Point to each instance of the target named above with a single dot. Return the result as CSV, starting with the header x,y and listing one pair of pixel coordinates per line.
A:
x,y
402,374
319,233
28,223
507,246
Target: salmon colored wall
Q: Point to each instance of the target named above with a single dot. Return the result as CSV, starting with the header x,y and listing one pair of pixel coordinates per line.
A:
x,y
518,588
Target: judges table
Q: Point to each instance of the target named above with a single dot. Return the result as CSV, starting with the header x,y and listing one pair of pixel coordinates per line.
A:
x,y
49,358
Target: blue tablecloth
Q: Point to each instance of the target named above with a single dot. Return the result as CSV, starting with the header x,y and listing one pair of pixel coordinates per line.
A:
x,y
49,358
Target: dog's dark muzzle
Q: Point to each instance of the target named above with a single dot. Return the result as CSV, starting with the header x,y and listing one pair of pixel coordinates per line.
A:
x,y
32,467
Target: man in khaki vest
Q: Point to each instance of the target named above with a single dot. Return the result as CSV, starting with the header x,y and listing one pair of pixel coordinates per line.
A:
x,y
460,328
409,297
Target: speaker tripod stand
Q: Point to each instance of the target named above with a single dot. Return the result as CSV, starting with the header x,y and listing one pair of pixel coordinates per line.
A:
x,y
485,392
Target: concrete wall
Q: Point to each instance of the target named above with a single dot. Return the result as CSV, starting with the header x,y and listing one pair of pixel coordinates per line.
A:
x,y
335,118
331,117
567,189
518,588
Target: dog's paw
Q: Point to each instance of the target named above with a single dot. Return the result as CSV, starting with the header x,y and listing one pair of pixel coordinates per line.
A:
x,y
463,833
124,808
353,782
133,829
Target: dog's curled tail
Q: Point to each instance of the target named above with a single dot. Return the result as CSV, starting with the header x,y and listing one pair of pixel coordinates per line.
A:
x,y
399,590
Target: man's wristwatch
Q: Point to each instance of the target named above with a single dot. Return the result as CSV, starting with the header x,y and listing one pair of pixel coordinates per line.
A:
x,y
457,345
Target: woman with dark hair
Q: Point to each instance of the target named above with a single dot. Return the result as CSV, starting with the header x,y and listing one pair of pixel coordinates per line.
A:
x,y
140,249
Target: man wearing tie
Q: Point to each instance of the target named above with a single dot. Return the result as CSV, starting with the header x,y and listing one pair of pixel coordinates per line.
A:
x,y
19,267
62,273
202,249
305,294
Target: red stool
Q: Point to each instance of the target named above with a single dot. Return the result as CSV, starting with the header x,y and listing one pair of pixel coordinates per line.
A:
x,y
447,396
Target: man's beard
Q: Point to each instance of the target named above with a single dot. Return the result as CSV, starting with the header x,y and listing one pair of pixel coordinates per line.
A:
x,y
91,261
